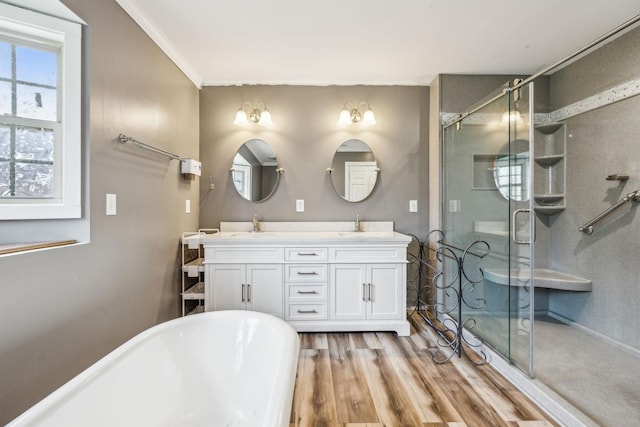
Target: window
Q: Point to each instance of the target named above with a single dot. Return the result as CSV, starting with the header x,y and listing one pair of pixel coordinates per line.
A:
x,y
40,86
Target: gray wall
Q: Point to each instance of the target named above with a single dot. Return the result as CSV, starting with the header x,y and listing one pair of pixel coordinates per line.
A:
x,y
63,309
305,136
599,143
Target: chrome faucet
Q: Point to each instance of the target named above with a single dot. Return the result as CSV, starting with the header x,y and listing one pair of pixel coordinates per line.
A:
x,y
256,223
358,226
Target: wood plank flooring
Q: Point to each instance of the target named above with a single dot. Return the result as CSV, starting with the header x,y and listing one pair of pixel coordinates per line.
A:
x,y
378,379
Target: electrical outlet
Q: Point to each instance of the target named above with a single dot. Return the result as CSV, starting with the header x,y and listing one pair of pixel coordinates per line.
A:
x,y
300,205
111,204
187,206
413,206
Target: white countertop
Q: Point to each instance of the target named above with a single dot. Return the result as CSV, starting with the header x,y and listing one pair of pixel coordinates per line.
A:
x,y
302,233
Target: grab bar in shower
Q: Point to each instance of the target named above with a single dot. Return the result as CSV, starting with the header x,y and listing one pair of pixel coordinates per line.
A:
x,y
631,197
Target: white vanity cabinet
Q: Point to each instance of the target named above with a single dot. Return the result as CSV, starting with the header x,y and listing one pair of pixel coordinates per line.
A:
x,y
317,281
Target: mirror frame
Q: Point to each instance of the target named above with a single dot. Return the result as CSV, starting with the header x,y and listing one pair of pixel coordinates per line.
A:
x,y
279,171
330,170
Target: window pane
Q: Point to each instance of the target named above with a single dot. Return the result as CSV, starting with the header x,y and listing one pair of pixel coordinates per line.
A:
x,y
36,103
34,180
36,66
5,98
5,142
5,188
34,144
5,60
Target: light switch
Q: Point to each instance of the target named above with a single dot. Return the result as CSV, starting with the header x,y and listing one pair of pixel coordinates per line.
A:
x,y
111,204
187,206
300,205
413,206
454,205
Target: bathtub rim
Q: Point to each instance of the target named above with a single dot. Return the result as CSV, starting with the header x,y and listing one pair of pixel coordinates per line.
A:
x,y
38,411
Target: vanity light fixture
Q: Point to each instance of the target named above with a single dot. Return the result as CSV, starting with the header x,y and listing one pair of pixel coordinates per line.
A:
x,y
512,117
351,114
260,114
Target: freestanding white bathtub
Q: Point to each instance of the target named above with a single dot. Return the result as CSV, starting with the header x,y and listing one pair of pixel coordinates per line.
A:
x,y
224,368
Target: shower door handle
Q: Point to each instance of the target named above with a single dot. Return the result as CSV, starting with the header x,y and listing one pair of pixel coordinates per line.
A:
x,y
514,228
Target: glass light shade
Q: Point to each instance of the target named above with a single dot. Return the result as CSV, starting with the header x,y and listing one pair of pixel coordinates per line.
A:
x,y
369,119
511,117
265,118
345,117
241,117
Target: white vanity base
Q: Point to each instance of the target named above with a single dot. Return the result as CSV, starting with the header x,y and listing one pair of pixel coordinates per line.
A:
x,y
401,327
318,277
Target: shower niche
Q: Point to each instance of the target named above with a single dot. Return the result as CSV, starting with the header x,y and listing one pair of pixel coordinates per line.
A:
x,y
549,170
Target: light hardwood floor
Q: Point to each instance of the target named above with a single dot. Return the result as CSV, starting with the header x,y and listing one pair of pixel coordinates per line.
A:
x,y
379,379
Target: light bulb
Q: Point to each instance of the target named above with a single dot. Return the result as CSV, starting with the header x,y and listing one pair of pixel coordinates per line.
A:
x,y
265,118
241,118
345,117
369,119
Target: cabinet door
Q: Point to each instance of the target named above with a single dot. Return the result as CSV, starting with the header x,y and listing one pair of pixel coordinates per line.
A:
x,y
348,292
385,291
225,287
265,289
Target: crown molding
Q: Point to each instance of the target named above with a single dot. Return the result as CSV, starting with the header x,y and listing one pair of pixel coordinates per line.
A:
x,y
163,43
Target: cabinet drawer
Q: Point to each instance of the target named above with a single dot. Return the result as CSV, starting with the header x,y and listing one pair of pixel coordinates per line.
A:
x,y
307,312
369,254
306,273
250,254
301,293
305,254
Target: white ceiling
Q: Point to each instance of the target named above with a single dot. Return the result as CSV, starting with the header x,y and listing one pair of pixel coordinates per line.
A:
x,y
376,42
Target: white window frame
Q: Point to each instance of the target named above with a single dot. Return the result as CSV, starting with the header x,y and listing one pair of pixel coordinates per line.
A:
x,y
67,203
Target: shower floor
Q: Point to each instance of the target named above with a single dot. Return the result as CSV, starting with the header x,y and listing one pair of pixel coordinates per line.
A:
x,y
597,378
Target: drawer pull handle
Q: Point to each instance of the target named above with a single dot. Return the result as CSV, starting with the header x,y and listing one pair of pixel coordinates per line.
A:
x,y
307,311
364,292
307,273
243,300
307,292
307,254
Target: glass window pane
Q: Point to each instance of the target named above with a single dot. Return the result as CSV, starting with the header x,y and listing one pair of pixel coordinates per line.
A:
x,y
5,60
5,142
5,188
5,98
36,102
34,180
34,144
36,66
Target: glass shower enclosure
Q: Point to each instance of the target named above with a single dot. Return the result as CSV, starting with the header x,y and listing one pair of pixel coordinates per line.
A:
x,y
487,197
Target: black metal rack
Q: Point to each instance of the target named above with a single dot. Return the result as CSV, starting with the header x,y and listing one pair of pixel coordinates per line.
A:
x,y
445,268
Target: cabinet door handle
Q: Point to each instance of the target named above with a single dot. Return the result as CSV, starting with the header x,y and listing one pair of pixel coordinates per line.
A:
x,y
248,292
364,292
307,254
307,273
243,292
307,292
369,298
307,311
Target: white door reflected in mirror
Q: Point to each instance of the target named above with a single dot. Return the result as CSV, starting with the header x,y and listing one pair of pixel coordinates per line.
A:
x,y
354,170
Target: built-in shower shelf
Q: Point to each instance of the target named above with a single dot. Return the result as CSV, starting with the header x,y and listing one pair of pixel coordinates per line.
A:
x,y
548,199
548,210
549,160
